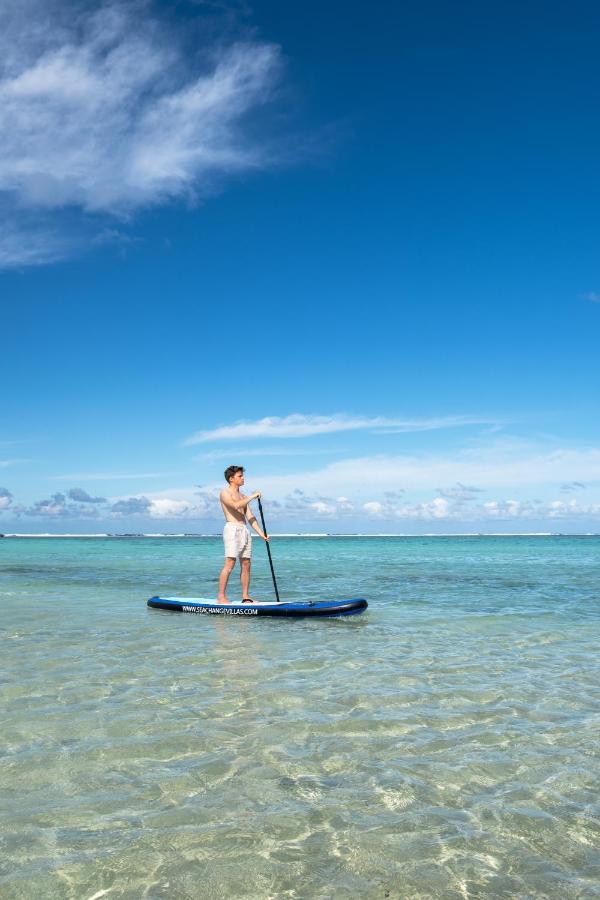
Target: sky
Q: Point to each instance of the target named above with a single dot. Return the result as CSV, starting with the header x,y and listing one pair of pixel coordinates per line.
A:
x,y
352,248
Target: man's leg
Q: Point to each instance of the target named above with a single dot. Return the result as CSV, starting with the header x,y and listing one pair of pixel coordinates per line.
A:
x,y
245,578
224,578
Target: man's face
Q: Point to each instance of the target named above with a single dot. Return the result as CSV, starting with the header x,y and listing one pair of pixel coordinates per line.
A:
x,y
238,479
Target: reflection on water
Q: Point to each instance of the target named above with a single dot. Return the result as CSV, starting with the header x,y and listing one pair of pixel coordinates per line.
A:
x,y
441,745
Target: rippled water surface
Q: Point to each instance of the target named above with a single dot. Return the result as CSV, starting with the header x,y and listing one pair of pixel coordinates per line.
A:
x,y
443,744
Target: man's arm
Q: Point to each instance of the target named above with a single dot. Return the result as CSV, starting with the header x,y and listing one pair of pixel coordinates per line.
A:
x,y
237,504
251,519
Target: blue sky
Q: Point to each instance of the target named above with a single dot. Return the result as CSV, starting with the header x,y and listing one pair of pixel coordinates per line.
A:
x,y
355,251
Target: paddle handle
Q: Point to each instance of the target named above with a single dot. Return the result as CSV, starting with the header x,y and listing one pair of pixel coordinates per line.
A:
x,y
262,518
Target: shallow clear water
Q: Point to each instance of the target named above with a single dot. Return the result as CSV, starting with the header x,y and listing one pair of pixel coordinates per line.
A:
x,y
443,744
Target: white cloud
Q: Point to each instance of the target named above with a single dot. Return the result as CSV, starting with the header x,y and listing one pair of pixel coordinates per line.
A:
x,y
562,509
490,511
379,487
299,426
172,503
438,508
537,509
304,509
483,467
509,509
322,509
501,482
170,509
103,111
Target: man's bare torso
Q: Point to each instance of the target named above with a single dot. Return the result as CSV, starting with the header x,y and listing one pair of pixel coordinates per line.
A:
x,y
237,516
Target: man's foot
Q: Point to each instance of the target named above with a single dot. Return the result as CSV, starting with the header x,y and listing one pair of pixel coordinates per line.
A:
x,y
247,600
222,600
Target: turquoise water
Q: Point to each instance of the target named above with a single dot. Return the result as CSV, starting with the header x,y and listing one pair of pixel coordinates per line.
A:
x,y
443,744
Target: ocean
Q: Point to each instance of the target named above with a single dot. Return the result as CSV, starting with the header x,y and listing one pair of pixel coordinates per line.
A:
x,y
443,744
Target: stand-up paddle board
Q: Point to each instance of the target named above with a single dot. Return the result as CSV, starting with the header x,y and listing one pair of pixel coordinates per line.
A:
x,y
200,606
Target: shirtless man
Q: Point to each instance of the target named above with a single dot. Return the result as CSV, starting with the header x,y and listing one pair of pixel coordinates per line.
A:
x,y
237,539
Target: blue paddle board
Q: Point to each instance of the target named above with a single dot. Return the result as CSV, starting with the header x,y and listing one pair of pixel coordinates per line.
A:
x,y
306,608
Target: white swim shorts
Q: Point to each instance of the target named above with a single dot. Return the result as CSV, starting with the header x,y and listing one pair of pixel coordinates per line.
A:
x,y
237,540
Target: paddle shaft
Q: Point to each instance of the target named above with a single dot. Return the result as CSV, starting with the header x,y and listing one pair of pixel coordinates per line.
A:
x,y
262,518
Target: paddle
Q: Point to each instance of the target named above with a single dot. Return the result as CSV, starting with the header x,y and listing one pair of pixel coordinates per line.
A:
x,y
268,549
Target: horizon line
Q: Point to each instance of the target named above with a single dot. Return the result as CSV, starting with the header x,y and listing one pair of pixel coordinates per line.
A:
x,y
292,534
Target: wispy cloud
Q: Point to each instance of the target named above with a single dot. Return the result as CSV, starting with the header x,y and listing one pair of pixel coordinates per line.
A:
x,y
260,452
5,498
104,111
22,246
521,466
81,496
461,493
110,476
571,486
300,426
592,296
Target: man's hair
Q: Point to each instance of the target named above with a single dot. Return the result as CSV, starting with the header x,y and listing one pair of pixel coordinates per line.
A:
x,y
230,471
